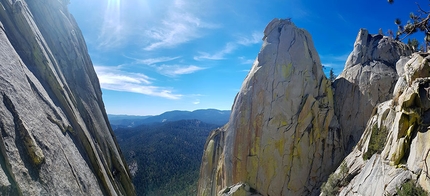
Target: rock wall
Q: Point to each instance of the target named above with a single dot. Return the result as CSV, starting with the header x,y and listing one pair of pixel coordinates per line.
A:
x,y
368,78
282,137
55,136
398,129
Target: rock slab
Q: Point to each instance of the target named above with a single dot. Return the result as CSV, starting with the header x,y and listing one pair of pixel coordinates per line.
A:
x,y
55,137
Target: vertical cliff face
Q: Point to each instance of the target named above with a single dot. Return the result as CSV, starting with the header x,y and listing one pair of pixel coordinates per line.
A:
x,y
55,137
282,137
368,78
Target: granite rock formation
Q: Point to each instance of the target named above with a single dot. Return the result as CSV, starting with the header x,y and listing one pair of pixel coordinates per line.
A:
x,y
55,136
368,78
239,189
394,147
283,137
288,128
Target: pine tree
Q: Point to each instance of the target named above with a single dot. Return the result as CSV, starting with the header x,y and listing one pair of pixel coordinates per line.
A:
x,y
414,44
332,76
420,22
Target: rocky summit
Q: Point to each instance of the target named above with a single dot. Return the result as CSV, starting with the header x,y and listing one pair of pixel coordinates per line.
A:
x,y
55,136
282,137
290,127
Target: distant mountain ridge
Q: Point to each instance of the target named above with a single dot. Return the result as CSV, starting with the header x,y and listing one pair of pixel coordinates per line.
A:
x,y
212,116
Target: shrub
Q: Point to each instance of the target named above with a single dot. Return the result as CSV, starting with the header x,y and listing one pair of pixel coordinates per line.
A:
x,y
411,189
377,141
335,181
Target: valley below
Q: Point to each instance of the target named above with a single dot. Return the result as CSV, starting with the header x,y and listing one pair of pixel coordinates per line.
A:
x,y
164,154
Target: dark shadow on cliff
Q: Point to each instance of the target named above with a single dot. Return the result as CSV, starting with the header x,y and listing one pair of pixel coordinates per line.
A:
x,y
345,108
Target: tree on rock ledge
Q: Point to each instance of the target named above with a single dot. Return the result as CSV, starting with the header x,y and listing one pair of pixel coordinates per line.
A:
x,y
419,22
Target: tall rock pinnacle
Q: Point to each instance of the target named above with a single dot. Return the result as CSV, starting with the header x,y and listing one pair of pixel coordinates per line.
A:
x,y
55,135
282,137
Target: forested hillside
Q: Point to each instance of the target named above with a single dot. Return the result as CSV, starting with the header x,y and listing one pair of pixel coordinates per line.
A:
x,y
165,158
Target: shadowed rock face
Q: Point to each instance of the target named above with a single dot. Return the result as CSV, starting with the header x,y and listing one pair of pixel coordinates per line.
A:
x,y
282,137
368,78
55,137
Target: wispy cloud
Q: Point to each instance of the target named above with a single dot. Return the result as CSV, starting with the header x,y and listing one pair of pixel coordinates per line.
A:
x,y
179,26
230,47
164,25
334,61
113,78
175,70
112,31
197,101
254,39
329,65
152,61
170,70
342,18
331,57
246,61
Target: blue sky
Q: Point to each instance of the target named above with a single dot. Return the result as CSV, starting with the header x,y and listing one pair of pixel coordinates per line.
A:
x,y
156,56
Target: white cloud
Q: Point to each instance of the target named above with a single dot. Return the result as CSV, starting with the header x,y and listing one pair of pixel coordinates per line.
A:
x,y
165,69
331,57
254,39
179,27
246,61
330,65
112,78
334,61
197,101
175,70
113,30
152,61
159,25
228,48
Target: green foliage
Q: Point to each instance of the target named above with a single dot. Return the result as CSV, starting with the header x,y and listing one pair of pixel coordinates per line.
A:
x,y
168,155
411,189
414,44
419,22
377,141
335,181
332,76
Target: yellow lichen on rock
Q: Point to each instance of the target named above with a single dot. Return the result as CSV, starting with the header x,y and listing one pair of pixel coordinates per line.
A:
x,y
287,70
280,120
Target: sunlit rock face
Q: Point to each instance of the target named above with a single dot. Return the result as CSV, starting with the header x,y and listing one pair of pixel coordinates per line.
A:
x,y
55,137
403,152
368,78
282,137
